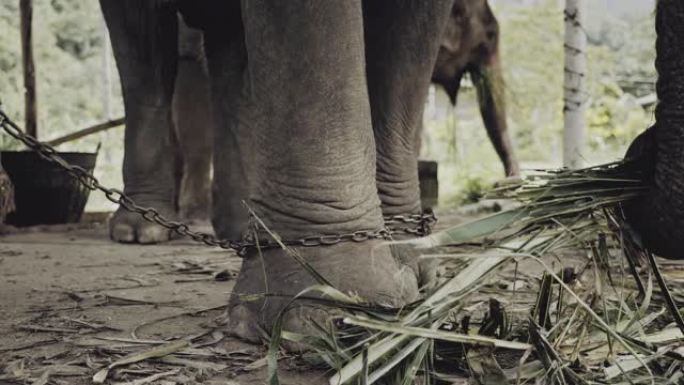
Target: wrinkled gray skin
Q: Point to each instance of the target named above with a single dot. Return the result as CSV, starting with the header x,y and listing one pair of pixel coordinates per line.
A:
x,y
469,45
659,151
145,45
315,129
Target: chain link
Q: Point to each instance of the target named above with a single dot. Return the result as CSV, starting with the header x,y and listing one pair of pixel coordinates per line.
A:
x,y
421,223
415,224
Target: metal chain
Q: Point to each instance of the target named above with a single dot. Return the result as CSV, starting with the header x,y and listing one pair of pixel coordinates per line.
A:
x,y
421,223
114,195
418,225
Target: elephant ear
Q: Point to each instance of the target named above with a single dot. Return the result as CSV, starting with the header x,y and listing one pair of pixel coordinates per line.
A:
x,y
491,28
453,36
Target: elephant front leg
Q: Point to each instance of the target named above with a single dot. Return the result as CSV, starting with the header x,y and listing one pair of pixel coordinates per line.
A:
x,y
314,162
402,41
144,38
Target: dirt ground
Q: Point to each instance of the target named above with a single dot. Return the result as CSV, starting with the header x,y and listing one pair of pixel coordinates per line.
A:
x,y
73,302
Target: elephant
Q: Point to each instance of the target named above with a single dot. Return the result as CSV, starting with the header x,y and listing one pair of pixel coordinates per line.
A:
x,y
315,107
469,45
658,153
193,127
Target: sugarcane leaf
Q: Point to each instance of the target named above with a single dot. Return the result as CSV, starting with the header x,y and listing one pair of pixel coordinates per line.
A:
x,y
156,352
376,351
472,230
409,375
397,358
436,334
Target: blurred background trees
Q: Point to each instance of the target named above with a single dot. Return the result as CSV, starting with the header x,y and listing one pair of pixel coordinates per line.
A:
x,y
70,57
621,79
68,39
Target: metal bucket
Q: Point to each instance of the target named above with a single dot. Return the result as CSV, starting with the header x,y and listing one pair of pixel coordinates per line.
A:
x,y
45,193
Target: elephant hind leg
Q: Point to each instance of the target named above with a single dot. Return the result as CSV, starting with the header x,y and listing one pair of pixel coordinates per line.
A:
x,y
402,40
194,124
144,36
232,164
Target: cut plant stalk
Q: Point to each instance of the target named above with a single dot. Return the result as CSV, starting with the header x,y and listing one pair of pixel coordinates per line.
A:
x,y
558,211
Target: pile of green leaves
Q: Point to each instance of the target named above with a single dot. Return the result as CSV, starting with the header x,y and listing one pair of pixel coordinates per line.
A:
x,y
554,290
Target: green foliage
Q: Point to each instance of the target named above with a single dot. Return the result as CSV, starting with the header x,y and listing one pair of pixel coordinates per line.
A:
x,y
474,189
614,118
68,53
81,39
11,91
532,52
67,46
620,69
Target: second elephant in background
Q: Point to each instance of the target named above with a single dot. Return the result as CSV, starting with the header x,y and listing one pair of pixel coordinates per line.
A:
x,y
470,44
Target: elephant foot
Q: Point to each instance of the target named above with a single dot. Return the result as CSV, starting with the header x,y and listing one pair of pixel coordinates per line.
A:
x,y
427,270
129,227
367,270
508,181
512,170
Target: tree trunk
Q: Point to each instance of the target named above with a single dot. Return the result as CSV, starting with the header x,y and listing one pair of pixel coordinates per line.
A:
x,y
106,73
574,85
30,98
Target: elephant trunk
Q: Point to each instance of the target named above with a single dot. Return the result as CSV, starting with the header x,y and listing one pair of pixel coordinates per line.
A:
x,y
489,83
659,216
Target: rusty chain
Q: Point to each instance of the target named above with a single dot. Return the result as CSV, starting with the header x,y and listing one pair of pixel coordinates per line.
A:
x,y
414,224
